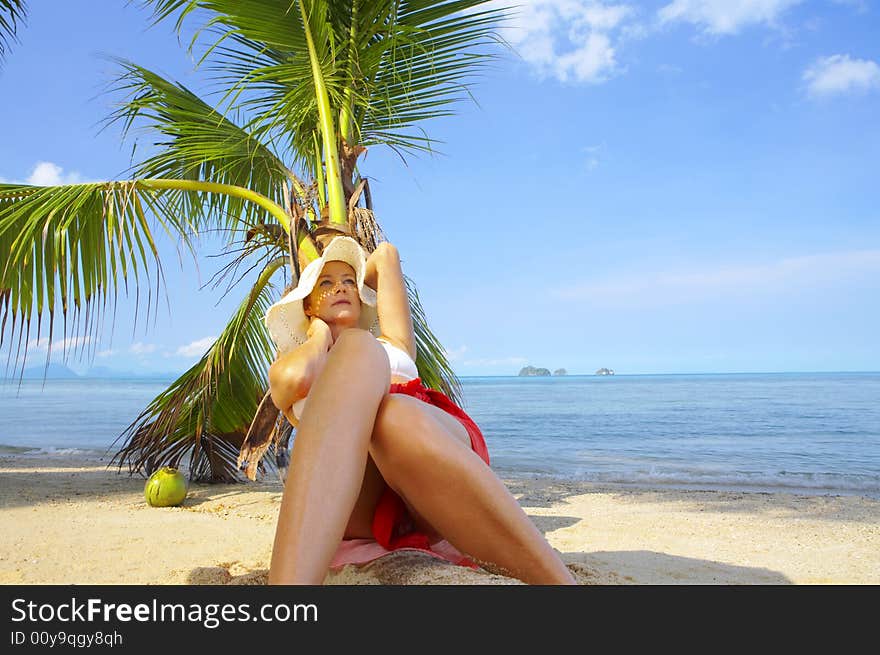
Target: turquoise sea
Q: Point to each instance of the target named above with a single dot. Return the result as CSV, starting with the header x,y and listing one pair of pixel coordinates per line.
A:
x,y
796,432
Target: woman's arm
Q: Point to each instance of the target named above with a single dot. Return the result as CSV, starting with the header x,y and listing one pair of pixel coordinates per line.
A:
x,y
385,275
291,374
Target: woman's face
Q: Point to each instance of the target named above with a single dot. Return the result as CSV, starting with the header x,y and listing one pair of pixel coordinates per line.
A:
x,y
335,297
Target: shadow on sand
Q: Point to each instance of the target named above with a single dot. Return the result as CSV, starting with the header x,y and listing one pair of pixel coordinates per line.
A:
x,y
33,481
409,567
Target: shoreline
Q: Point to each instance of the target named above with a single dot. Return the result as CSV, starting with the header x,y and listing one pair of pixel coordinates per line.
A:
x,y
91,455
70,520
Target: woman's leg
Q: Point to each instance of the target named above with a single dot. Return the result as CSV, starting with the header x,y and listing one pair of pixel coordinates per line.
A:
x,y
423,458
360,523
328,459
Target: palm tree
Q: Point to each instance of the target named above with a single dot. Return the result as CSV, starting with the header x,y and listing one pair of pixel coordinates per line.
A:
x,y
304,87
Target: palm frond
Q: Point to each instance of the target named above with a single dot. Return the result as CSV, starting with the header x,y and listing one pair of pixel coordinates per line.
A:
x,y
393,64
71,248
275,87
201,420
12,14
433,366
275,23
262,243
417,70
198,142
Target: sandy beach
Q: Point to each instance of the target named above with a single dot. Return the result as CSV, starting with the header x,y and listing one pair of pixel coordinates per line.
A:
x,y
70,520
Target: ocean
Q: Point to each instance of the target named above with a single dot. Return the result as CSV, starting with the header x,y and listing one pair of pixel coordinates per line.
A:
x,y
793,432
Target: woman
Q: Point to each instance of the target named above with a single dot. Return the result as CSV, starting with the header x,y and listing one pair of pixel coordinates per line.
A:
x,y
376,455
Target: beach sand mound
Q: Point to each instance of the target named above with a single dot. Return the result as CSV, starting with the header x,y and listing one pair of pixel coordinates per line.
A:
x,y
401,568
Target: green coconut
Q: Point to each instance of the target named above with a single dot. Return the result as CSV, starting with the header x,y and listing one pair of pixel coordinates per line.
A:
x,y
165,488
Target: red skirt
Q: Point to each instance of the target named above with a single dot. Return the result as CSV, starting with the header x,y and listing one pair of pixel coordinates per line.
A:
x,y
393,527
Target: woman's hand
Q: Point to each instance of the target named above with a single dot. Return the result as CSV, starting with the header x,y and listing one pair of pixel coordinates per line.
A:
x,y
319,331
376,261
291,374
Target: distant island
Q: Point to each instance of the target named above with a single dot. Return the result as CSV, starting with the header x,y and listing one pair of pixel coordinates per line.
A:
x,y
61,372
605,371
531,371
50,372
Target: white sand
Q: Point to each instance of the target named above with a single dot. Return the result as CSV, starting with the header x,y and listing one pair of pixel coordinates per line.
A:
x,y
68,520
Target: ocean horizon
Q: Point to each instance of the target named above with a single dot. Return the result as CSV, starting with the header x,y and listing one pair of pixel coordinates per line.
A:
x,y
63,371
798,432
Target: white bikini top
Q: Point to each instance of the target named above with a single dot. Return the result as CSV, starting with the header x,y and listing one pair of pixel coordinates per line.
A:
x,y
402,366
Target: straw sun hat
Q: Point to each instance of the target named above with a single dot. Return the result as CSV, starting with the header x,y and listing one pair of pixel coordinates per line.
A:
x,y
286,320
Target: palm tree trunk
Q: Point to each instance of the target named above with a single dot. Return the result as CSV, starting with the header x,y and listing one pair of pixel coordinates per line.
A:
x,y
335,193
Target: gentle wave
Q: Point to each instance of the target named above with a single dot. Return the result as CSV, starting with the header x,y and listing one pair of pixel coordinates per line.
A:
x,y
814,483
49,451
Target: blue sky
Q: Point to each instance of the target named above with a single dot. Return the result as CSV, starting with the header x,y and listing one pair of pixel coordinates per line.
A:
x,y
655,187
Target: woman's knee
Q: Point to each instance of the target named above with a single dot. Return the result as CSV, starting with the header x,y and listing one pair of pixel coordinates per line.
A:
x,y
355,342
354,338
358,349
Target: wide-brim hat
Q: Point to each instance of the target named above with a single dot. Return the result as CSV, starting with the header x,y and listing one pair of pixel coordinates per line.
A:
x,y
286,319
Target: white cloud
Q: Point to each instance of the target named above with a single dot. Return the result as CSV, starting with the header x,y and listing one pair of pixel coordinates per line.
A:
x,y
196,348
669,69
592,157
859,5
139,348
106,353
456,353
58,344
840,74
46,173
679,287
724,16
570,40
